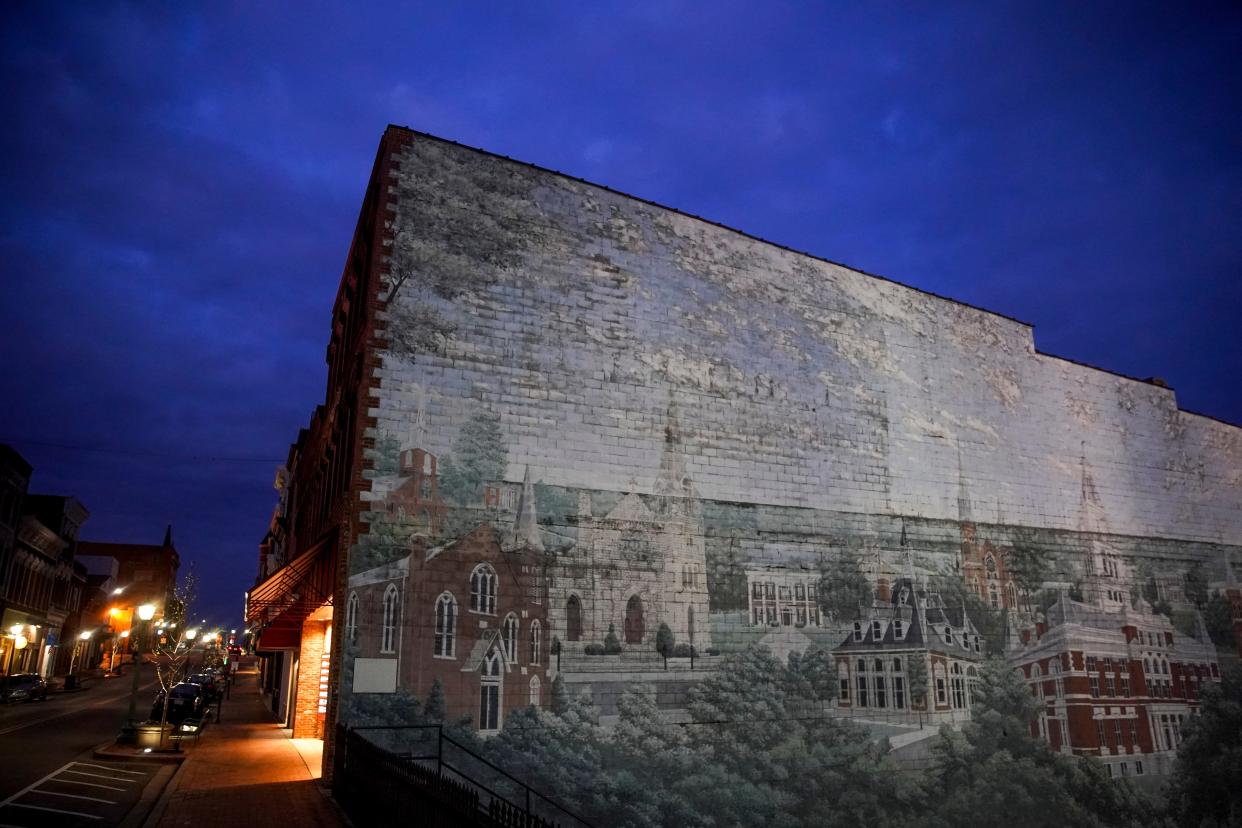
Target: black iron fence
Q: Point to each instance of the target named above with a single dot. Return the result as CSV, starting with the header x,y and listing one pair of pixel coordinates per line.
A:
x,y
385,774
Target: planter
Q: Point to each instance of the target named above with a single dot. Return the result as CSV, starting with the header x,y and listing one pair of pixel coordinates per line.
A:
x,y
149,735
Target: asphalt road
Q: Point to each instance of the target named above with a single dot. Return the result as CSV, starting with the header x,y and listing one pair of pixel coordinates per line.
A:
x,y
37,738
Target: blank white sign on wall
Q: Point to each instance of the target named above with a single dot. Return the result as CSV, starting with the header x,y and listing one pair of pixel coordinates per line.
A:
x,y
375,675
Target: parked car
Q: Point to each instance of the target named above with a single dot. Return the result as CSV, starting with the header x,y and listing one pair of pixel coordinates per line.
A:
x,y
212,684
185,701
23,687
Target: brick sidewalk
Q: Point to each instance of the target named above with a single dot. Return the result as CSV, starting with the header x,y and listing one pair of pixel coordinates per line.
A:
x,y
245,771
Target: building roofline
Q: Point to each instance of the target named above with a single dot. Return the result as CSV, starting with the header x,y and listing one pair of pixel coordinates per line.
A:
x,y
696,217
753,237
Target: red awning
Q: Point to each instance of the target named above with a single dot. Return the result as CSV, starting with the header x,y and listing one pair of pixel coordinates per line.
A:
x,y
279,605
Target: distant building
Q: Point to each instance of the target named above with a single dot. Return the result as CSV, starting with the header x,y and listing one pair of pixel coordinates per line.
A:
x,y
14,482
780,597
874,661
147,572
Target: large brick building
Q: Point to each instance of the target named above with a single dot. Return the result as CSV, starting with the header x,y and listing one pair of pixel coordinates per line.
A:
x,y
698,413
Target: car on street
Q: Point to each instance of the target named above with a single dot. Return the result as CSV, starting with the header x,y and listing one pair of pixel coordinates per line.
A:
x,y
185,701
23,687
212,684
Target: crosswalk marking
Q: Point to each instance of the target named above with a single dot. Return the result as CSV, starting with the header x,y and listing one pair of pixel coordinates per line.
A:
x,y
101,776
87,784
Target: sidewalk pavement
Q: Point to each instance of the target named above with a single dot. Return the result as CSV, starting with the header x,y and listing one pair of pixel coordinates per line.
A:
x,y
244,771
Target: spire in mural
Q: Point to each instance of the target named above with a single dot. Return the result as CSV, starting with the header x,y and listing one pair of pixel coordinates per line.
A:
x,y
964,514
1103,585
673,487
526,525
416,437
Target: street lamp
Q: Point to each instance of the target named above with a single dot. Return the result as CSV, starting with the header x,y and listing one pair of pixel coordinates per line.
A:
x,y
83,637
145,613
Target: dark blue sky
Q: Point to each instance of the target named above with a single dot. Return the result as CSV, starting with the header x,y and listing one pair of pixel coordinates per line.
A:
x,y
180,190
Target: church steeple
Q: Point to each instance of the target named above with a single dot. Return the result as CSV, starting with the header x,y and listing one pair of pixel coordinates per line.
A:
x,y
168,537
674,490
526,524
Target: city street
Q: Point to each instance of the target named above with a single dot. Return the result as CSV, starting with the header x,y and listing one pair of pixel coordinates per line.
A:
x,y
43,746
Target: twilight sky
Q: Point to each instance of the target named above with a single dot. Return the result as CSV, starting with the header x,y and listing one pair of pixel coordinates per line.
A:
x,y
181,189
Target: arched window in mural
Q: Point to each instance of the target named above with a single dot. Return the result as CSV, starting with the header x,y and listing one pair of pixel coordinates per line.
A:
x,y
634,627
489,692
535,688
351,618
972,682
861,674
959,686
573,619
445,645
989,566
510,632
536,642
942,696
388,631
899,685
483,589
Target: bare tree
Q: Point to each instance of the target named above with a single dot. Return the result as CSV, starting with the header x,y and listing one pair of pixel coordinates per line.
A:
x,y
170,647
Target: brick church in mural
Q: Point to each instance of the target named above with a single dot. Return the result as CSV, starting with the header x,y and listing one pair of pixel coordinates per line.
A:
x,y
570,435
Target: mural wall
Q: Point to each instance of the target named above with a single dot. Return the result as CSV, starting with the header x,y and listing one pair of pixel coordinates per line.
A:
x,y
643,483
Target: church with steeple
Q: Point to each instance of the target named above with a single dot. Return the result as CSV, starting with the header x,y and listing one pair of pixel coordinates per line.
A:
x,y
640,564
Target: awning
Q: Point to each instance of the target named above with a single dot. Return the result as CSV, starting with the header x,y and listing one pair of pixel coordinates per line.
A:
x,y
278,606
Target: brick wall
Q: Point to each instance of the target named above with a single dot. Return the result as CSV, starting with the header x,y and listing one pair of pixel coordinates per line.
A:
x,y
308,722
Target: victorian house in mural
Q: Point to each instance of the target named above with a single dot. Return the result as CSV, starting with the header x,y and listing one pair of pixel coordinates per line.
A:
x,y
469,614
876,663
1116,680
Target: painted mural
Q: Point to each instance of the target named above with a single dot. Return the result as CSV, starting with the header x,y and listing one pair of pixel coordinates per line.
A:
x,y
684,547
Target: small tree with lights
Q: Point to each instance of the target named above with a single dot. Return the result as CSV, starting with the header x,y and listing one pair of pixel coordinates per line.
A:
x,y
171,643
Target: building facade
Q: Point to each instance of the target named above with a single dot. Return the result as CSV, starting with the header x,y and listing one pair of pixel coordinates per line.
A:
x,y
671,413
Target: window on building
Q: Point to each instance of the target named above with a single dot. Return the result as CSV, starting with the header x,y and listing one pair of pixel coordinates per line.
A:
x,y
1099,732
858,630
510,634
899,630
1138,767
1091,664
941,691
1132,724
445,645
1109,689
844,689
1125,686
862,690
899,692
1117,733
877,630
535,688
800,591
756,590
483,589
948,634
489,692
1095,686
388,631
536,643
351,618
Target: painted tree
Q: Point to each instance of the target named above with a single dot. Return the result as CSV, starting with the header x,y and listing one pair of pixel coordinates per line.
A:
x,y
993,767
479,456
1205,789
665,642
916,675
843,588
1197,584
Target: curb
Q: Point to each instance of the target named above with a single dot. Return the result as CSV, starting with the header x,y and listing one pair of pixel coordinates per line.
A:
x,y
110,750
153,798
152,816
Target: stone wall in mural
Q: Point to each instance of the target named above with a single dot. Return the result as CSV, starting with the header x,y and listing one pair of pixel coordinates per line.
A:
x,y
688,529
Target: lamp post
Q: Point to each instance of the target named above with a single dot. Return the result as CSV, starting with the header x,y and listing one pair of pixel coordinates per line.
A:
x,y
145,612
71,680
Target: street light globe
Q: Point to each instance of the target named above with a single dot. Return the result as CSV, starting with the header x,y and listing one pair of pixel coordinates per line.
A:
x,y
20,642
146,612
85,636
192,633
16,629
125,634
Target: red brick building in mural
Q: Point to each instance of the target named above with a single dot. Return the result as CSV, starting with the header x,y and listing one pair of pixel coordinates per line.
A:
x,y
1116,684
470,614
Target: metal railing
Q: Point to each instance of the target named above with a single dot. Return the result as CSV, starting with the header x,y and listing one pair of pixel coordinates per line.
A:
x,y
440,778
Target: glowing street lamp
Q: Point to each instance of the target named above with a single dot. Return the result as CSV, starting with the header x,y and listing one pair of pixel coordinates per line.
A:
x,y
145,613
